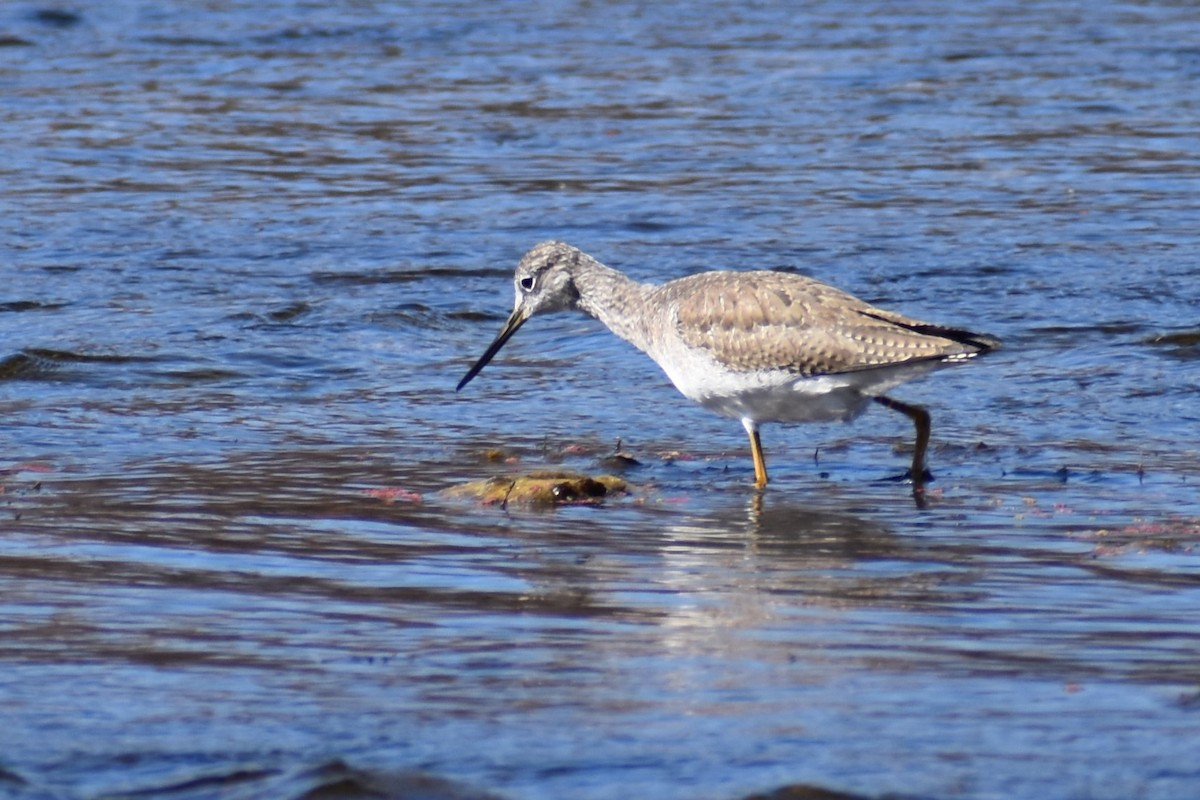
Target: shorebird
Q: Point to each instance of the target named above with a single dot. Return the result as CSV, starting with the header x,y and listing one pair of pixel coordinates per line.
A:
x,y
758,346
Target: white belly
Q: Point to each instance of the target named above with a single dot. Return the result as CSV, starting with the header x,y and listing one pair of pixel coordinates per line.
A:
x,y
801,400
779,395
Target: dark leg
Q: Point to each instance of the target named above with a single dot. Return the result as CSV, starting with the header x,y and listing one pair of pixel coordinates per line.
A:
x,y
920,418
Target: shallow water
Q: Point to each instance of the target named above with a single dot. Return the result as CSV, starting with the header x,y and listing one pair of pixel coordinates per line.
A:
x,y
250,248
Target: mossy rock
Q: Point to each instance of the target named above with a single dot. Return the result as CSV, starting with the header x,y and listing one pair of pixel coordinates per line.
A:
x,y
541,489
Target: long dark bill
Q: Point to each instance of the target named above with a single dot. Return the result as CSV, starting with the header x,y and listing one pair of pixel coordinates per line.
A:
x,y
515,321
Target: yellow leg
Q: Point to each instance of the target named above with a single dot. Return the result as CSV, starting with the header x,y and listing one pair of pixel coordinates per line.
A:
x,y
760,464
921,421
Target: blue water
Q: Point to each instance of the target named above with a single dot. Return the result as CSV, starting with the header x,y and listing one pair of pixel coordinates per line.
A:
x,y
248,250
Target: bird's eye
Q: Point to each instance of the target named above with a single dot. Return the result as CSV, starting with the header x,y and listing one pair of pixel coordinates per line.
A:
x,y
526,283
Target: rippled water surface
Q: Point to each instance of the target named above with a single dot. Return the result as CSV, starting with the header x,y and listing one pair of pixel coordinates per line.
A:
x,y
248,250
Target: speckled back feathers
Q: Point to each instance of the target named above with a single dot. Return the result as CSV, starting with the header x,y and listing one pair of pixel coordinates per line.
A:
x,y
773,320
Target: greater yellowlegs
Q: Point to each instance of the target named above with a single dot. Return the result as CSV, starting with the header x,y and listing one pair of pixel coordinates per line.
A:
x,y
756,346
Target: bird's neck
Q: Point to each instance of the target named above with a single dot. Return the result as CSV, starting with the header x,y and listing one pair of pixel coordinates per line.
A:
x,y
618,301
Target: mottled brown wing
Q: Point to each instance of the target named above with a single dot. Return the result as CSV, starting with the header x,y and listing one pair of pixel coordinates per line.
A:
x,y
774,320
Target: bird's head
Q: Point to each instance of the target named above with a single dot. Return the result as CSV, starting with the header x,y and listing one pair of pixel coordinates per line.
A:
x,y
544,282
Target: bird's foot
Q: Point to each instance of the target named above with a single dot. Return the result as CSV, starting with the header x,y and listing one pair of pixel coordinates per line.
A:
x,y
907,477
